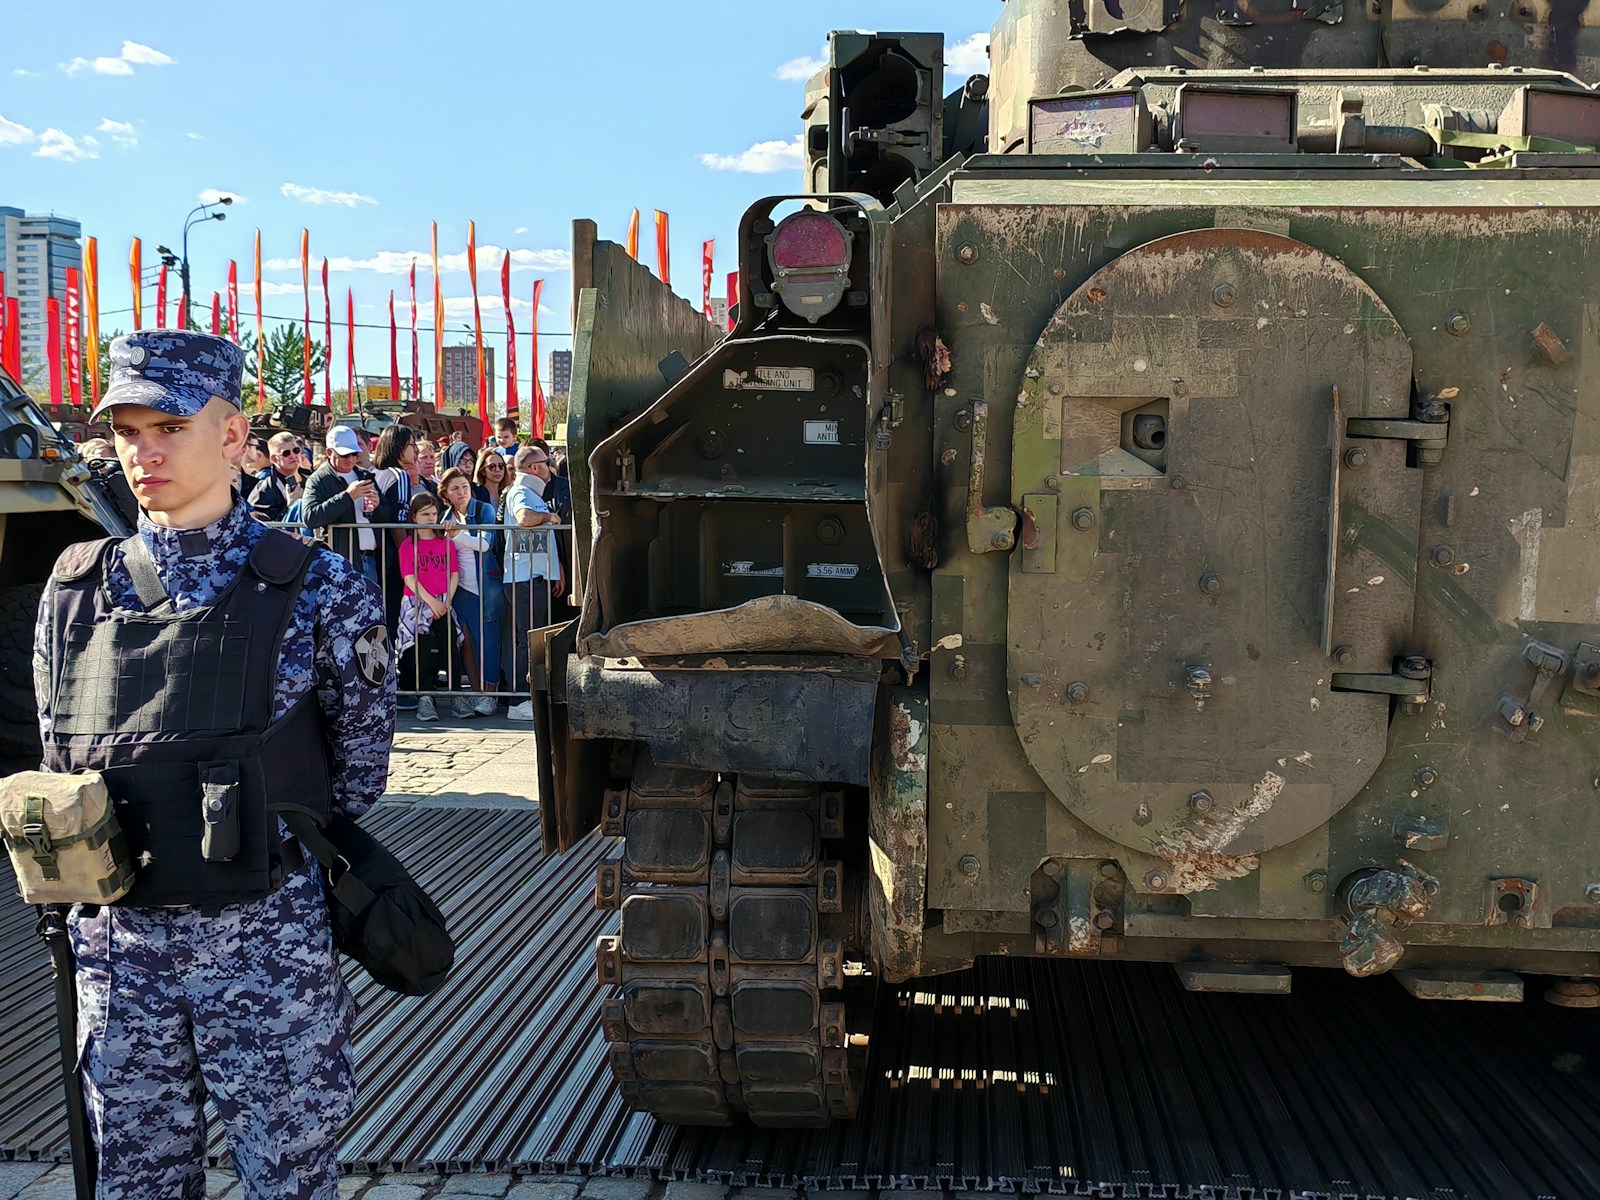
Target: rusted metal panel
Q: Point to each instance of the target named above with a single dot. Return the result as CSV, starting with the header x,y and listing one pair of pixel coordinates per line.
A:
x,y
897,833
795,725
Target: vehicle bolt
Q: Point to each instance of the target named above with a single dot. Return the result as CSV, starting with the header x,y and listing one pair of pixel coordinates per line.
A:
x,y
1316,882
1223,295
967,864
1593,892
1201,801
1082,519
958,669
1414,667
1595,779
963,419
1458,324
1052,868
966,254
1427,777
1175,482
1077,692
1355,458
1142,815
1002,540
1053,482
1591,670
1210,583
1109,870
1033,679
1155,879
1442,555
1046,917
1104,920
1180,389
1343,655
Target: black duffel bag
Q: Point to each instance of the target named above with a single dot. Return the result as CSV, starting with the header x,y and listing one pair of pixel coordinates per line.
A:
x,y
381,916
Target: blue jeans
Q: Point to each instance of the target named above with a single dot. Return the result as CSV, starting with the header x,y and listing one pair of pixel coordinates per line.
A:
x,y
484,636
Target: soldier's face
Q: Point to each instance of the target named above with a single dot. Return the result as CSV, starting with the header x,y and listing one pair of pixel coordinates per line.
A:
x,y
180,468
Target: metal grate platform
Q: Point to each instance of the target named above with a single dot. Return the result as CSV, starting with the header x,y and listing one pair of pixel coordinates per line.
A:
x,y
1348,1088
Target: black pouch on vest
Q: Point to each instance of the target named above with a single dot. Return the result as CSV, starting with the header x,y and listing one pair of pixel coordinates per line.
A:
x,y
381,917
219,810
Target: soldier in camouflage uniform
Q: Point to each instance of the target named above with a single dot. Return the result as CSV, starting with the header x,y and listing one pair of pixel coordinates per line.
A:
x,y
242,1002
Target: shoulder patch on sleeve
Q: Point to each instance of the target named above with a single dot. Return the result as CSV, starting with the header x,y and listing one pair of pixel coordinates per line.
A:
x,y
372,654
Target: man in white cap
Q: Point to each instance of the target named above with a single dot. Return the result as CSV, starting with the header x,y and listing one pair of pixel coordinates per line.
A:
x,y
339,496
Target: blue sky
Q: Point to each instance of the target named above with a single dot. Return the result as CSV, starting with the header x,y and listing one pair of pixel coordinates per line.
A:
x,y
518,114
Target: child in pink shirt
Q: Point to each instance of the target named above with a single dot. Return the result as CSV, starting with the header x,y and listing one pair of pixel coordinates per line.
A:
x,y
431,572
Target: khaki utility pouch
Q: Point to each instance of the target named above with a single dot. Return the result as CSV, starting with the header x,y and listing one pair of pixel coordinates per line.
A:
x,y
66,846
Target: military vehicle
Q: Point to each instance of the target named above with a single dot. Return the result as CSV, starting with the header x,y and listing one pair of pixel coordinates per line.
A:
x,y
49,498
1148,508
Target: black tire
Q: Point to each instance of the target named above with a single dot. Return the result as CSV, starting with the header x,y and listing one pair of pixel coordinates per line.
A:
x,y
20,749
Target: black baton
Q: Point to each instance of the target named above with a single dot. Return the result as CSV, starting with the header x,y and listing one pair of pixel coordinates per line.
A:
x,y
52,928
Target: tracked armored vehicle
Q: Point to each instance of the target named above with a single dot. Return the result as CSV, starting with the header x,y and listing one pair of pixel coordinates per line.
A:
x,y
1148,508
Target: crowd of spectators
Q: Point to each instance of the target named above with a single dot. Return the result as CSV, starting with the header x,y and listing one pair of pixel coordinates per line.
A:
x,y
460,541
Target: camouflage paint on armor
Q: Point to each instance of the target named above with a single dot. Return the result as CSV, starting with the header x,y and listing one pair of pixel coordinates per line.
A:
x,y
249,1001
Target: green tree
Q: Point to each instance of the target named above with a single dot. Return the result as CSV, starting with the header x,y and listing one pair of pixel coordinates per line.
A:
x,y
283,372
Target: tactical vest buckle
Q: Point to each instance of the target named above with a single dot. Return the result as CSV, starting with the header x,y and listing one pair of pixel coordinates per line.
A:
x,y
36,836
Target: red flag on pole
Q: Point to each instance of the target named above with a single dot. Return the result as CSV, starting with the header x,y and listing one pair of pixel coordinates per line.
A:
x,y
733,297
5,327
216,314
633,236
261,341
477,324
327,341
138,289
91,313
233,299
416,354
74,346
53,347
538,388
350,353
663,256
705,275
305,330
438,325
511,337
161,298
394,353
180,312
14,337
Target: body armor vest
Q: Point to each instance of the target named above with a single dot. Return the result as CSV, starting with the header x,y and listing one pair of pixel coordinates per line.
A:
x,y
175,711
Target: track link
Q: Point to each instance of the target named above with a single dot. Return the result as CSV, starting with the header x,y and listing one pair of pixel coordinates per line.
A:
x,y
728,967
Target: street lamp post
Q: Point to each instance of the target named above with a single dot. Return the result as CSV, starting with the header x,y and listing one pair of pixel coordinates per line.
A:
x,y
189,222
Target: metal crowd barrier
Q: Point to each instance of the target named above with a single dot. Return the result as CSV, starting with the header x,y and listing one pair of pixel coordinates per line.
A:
x,y
521,607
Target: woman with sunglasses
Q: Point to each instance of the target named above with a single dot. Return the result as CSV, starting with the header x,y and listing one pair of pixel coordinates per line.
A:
x,y
489,477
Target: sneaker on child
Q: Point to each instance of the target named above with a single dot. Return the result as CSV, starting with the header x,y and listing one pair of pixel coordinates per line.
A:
x,y
426,710
461,708
520,712
486,706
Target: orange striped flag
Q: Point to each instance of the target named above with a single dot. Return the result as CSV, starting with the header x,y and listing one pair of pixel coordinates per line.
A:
x,y
663,257
305,290
633,236
438,325
261,341
91,312
477,325
138,293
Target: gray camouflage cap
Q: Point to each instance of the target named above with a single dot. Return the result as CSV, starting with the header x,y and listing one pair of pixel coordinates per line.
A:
x,y
173,371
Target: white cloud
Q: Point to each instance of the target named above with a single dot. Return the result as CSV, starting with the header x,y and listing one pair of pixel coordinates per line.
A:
x,y
520,229
195,137
798,70
20,73
12,134
53,143
122,133
133,54
764,158
398,262
214,195
969,57
311,195
271,288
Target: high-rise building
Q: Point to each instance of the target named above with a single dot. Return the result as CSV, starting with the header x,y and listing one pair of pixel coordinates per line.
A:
x,y
560,374
35,252
461,376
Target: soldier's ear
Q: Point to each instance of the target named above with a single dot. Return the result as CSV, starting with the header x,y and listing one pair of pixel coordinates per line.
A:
x,y
235,433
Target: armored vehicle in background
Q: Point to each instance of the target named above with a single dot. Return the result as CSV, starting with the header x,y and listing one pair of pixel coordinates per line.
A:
x,y
1168,531
49,498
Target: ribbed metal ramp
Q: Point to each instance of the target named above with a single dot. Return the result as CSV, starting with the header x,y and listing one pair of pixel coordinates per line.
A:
x,y
1018,1075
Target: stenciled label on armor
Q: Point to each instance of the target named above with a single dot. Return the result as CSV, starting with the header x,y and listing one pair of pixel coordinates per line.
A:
x,y
832,570
747,568
822,433
771,379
